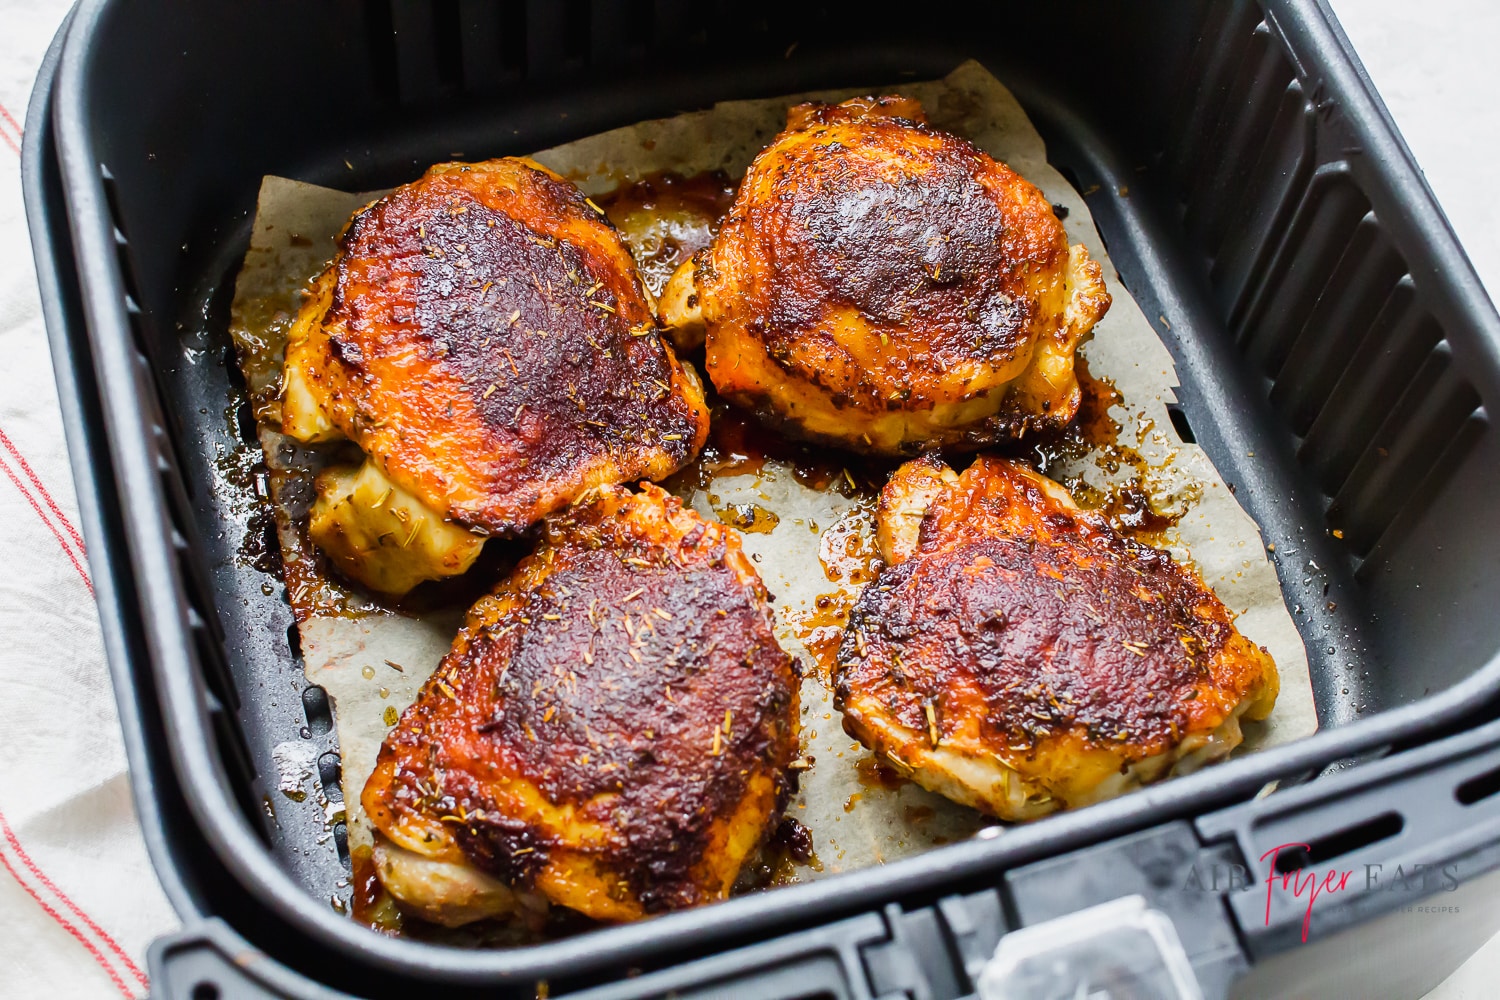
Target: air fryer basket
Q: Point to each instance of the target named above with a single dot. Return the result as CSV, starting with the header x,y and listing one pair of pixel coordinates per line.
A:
x,y
1335,347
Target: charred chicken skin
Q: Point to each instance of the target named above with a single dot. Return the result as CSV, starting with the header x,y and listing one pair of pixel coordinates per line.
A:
x,y
1020,656
883,286
483,335
611,731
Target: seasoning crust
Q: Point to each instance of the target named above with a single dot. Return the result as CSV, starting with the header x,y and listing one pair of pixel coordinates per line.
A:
x,y
1023,656
885,286
484,337
613,725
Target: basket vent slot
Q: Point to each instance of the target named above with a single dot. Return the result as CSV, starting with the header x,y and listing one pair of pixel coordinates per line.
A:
x,y
1271,193
1418,439
341,844
425,70
1322,227
577,40
1478,788
1406,508
380,41
1336,845
1361,282
1401,335
318,709
447,44
328,776
1180,424
1229,160
1208,80
512,47
492,42
229,740
244,422
208,644
623,33
559,37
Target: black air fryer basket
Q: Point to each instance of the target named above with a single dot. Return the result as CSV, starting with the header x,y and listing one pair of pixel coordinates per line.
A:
x,y
1337,354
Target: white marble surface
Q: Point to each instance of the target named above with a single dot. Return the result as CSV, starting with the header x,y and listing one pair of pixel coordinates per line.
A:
x,y
1435,64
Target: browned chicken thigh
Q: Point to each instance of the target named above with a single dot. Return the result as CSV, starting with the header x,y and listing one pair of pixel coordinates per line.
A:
x,y
884,286
611,731
1020,656
483,335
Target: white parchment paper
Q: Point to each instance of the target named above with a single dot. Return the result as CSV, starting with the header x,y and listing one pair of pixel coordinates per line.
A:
x,y
373,662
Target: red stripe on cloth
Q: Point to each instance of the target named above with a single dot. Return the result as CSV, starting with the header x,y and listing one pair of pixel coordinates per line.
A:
x,y
68,926
37,482
41,876
10,836
62,542
15,143
13,123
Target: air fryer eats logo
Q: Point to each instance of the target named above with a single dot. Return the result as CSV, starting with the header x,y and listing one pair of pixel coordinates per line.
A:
x,y
1290,880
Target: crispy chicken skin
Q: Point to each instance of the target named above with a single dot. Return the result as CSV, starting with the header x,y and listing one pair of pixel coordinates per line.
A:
x,y
610,732
883,286
1020,656
483,335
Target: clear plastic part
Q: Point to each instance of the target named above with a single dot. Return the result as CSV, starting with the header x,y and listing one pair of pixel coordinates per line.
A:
x,y
1120,950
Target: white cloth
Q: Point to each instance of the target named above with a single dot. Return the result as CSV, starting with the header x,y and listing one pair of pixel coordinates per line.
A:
x,y
78,900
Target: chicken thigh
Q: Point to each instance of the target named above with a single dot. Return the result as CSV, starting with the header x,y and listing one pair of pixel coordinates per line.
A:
x,y
611,731
484,336
1020,656
885,287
